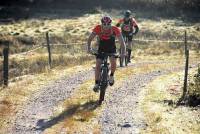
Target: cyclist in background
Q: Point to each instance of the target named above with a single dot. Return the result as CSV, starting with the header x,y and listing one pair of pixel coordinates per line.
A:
x,y
129,27
106,34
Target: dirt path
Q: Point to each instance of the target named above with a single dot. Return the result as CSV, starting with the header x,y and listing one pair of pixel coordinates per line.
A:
x,y
121,113
43,103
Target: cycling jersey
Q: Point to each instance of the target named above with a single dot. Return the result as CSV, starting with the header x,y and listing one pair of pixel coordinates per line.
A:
x,y
106,34
127,26
106,39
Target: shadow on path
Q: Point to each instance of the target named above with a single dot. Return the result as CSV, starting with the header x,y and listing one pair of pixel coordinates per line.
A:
x,y
43,124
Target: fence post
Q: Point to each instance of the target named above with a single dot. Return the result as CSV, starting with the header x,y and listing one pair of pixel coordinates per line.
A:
x,y
186,74
5,63
186,71
186,47
49,49
186,67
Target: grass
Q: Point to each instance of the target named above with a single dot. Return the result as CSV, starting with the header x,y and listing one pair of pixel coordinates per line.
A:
x,y
194,85
25,34
160,113
74,32
37,63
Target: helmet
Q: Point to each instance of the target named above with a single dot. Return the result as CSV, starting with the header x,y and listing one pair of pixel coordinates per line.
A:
x,y
106,20
127,13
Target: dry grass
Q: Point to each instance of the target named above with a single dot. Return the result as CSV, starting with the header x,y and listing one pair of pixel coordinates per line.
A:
x,y
76,30
194,85
168,29
160,115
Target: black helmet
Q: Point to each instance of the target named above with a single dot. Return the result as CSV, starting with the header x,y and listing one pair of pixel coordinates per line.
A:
x,y
127,13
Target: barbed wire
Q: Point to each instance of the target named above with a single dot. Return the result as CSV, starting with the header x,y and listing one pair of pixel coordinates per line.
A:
x,y
71,44
167,41
32,50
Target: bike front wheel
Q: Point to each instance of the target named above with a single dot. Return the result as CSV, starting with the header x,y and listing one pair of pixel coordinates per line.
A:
x,y
121,59
103,84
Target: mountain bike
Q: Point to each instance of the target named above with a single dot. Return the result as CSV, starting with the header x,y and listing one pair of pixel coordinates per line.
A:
x,y
124,60
104,73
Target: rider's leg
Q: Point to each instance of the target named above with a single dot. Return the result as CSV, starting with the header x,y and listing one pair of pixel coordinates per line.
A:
x,y
129,47
97,70
113,68
113,65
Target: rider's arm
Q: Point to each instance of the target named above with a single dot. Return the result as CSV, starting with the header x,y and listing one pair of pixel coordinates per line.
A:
x,y
136,29
119,23
135,25
91,37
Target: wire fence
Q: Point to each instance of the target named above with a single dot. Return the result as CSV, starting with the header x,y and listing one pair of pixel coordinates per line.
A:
x,y
74,48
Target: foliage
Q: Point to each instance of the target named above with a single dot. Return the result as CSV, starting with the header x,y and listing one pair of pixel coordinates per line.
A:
x,y
182,4
194,86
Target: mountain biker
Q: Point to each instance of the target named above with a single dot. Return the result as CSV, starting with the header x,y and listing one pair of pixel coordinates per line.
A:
x,y
106,34
129,27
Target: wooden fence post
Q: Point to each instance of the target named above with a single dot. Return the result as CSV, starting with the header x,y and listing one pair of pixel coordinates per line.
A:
x,y
5,63
49,49
186,74
186,71
186,47
186,68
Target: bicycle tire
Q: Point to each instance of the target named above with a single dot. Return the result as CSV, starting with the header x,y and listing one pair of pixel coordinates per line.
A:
x,y
126,60
126,57
121,60
103,84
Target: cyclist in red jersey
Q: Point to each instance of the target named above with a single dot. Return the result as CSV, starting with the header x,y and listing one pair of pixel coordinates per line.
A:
x,y
129,27
106,34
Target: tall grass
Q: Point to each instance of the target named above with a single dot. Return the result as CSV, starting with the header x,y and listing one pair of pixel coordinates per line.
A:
x,y
194,85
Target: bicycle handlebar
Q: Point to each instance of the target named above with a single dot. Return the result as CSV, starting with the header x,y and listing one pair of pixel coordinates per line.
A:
x,y
105,54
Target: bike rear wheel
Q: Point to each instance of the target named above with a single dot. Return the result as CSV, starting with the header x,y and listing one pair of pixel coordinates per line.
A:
x,y
126,60
121,59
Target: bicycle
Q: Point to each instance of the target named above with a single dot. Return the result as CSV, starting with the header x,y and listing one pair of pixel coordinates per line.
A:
x,y
104,75
124,60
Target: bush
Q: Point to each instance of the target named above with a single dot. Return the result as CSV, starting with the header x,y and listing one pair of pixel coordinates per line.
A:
x,y
194,87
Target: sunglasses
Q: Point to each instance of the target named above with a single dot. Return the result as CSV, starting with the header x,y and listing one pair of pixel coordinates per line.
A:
x,y
105,24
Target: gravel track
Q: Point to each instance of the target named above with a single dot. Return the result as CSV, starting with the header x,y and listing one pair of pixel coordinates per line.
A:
x,y
42,104
121,113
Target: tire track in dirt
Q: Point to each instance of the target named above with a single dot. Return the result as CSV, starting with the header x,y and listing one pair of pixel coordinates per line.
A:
x,y
122,113
42,104
117,115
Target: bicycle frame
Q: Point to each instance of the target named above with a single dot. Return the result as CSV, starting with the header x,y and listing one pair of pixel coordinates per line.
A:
x,y
104,69
103,83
